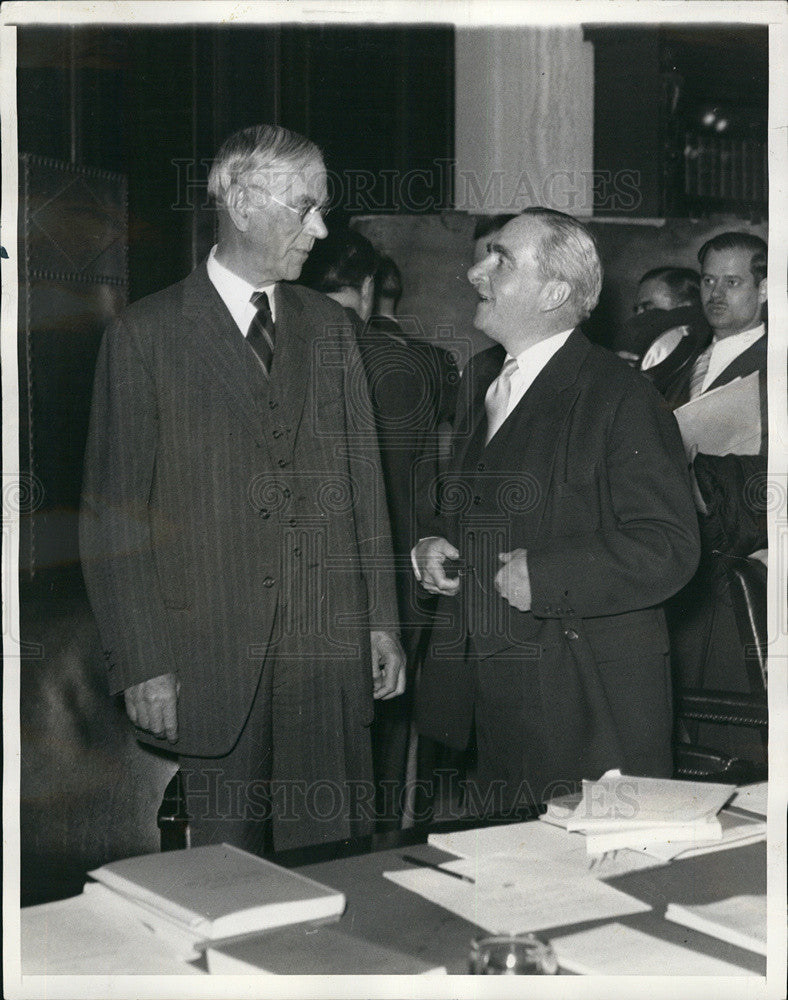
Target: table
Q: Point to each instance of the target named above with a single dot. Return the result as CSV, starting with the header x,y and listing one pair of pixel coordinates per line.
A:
x,y
384,914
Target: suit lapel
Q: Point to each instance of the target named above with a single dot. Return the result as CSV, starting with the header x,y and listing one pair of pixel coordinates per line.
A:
x,y
749,361
294,355
533,430
481,370
219,343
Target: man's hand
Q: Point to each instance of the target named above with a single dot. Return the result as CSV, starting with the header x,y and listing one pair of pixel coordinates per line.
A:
x,y
429,555
153,706
388,665
512,580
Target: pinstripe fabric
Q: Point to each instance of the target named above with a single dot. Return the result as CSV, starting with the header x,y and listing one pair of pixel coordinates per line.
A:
x,y
221,521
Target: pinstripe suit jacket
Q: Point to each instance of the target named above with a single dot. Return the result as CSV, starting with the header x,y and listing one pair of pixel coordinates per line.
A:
x,y
225,518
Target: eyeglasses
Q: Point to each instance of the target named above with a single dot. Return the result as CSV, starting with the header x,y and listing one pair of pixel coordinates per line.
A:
x,y
305,212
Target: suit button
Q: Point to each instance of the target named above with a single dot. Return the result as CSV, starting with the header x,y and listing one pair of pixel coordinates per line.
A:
x,y
476,501
570,633
273,404
292,522
268,582
277,434
296,551
480,467
264,512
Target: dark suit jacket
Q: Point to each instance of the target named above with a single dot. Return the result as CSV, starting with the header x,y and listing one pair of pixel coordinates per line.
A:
x,y
403,376
225,517
588,474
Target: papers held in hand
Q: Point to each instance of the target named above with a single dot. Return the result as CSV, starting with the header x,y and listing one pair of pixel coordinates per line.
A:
x,y
209,893
725,421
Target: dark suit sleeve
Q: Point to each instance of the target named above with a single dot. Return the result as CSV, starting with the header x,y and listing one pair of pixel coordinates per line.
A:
x,y
373,532
642,543
115,537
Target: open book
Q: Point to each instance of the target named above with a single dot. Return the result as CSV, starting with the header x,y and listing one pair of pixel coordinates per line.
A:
x,y
219,891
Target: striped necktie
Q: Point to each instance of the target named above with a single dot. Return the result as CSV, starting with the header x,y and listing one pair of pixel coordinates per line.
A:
x,y
496,401
261,334
699,371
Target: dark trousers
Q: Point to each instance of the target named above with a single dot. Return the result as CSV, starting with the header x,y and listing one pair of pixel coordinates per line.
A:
x,y
300,773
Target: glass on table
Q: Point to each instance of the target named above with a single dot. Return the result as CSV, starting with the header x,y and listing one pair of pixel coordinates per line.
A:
x,y
511,955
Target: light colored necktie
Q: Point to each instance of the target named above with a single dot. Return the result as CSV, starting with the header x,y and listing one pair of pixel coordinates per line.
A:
x,y
699,370
496,401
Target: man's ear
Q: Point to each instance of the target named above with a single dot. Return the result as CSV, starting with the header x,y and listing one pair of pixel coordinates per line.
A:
x,y
763,291
554,294
238,206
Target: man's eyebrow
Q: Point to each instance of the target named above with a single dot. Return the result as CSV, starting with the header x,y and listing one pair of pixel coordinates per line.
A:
x,y
502,250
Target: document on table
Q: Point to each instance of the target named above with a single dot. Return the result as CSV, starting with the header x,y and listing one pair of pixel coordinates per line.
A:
x,y
616,949
87,935
511,895
725,421
753,798
541,845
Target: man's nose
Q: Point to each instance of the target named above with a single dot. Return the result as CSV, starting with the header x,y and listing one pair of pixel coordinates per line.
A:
x,y
717,293
316,226
476,272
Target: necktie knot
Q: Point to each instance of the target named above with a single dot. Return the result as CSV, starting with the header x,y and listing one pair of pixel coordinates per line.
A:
x,y
260,336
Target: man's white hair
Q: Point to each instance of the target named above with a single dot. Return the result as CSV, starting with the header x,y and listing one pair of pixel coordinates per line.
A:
x,y
253,150
568,252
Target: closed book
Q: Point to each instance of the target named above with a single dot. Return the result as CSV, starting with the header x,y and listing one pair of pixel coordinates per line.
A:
x,y
739,920
219,891
637,803
328,950
615,838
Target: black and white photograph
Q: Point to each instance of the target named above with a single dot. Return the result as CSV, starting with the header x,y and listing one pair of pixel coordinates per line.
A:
x,y
395,498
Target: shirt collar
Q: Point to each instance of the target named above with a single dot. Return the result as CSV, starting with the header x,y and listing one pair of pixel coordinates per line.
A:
x,y
537,355
236,292
739,342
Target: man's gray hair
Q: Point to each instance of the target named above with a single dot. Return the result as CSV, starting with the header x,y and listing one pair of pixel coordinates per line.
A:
x,y
568,252
255,149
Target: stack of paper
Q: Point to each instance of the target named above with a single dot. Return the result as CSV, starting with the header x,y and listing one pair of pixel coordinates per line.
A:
x,y
637,813
192,897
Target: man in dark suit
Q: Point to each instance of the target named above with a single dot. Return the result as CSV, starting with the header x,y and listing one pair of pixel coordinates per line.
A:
x,y
569,506
731,495
668,329
233,530
408,391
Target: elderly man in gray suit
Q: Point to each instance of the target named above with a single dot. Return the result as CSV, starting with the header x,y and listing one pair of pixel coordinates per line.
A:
x,y
233,528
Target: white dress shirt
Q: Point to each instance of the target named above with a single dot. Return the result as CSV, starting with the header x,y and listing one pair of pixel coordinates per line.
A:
x,y
236,293
726,349
530,363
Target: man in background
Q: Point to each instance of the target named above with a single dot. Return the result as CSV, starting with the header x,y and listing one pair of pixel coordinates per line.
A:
x,y
668,329
731,493
233,529
568,505
404,379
